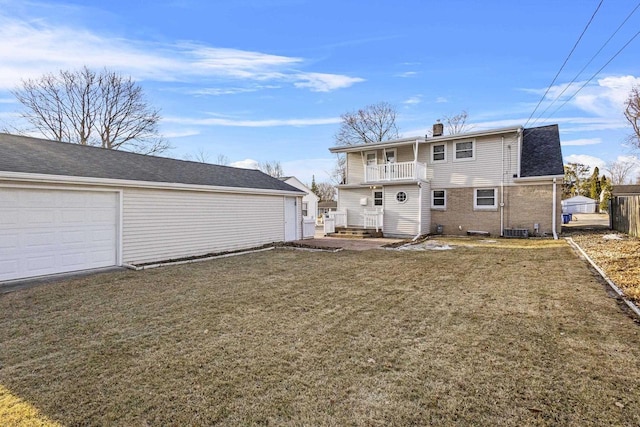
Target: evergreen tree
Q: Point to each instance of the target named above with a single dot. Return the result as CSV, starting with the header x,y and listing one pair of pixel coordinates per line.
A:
x,y
605,185
314,186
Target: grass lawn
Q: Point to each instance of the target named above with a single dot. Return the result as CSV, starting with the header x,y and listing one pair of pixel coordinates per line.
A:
x,y
513,334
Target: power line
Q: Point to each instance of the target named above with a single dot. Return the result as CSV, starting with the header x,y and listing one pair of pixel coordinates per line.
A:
x,y
596,73
564,63
587,64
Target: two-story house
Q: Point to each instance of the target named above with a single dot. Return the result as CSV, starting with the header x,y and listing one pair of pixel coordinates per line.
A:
x,y
495,181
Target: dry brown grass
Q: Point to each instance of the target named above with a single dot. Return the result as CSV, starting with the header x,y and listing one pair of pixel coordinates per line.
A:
x,y
518,335
620,259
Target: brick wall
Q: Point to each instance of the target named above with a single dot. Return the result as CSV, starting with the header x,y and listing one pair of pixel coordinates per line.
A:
x,y
525,205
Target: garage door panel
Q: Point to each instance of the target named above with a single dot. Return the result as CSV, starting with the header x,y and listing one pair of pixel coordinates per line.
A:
x,y
56,231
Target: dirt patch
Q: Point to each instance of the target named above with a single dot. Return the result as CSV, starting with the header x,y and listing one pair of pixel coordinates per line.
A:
x,y
617,254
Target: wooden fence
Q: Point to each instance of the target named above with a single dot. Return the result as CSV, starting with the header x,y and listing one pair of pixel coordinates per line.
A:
x,y
625,214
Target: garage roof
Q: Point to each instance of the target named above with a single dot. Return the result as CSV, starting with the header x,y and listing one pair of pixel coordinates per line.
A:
x,y
40,156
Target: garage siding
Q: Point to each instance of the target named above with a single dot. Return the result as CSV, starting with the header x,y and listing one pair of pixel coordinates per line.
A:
x,y
163,224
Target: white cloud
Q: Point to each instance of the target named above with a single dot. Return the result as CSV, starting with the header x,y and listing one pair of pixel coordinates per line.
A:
x,y
220,121
441,100
407,74
320,82
585,159
583,141
32,48
180,133
245,164
417,99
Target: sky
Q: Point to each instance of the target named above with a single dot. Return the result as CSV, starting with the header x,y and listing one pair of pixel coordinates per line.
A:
x,y
267,80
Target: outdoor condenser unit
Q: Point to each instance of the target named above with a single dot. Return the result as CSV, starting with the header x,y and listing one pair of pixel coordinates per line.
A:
x,y
521,233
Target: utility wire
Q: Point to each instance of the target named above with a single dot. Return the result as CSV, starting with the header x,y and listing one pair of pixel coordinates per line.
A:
x,y
595,74
564,63
587,64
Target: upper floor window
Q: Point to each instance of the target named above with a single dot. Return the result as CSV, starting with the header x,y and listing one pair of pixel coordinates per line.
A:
x,y
464,150
438,153
390,156
371,157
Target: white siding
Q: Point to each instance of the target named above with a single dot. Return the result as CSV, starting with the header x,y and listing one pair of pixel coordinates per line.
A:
x,y
426,208
165,224
484,171
349,202
355,168
401,219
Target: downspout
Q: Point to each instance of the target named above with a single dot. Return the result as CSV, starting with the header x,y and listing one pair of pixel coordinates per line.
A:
x,y
415,171
553,220
419,212
502,193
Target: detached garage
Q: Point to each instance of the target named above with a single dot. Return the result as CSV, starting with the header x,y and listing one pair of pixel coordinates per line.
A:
x,y
66,207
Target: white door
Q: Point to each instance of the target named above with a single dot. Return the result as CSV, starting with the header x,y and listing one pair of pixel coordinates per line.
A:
x,y
290,219
56,231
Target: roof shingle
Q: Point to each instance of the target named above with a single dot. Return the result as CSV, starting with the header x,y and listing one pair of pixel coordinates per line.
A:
x,y
541,152
40,156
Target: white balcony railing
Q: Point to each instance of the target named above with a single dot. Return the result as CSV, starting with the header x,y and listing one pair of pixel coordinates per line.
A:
x,y
395,171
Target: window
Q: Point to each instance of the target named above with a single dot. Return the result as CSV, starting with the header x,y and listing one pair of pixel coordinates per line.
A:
x,y
485,198
439,199
305,208
371,158
377,198
390,156
401,197
438,153
464,150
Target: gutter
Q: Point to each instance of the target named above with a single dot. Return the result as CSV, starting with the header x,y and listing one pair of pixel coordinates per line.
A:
x,y
111,182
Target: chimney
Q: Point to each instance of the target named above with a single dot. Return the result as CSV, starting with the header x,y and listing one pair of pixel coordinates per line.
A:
x,y
438,128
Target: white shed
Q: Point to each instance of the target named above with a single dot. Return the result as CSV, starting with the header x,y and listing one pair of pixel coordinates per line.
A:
x,y
66,207
579,204
309,200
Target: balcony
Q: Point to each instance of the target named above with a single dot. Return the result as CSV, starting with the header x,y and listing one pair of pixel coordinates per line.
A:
x,y
401,171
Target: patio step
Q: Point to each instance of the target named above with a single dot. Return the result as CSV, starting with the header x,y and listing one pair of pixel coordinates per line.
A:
x,y
355,233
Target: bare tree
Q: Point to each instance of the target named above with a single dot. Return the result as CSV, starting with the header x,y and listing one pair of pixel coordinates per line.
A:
x,y
271,167
575,175
102,109
632,114
339,173
222,160
326,191
458,123
371,124
619,171
200,156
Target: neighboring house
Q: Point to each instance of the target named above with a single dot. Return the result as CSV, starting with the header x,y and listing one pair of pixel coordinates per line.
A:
x,y
488,181
309,201
326,206
579,204
66,207
625,190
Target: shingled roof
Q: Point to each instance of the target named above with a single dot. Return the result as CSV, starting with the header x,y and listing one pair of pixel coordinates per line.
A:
x,y
541,152
41,156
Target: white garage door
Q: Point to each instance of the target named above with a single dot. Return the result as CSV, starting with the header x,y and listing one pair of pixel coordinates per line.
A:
x,y
55,231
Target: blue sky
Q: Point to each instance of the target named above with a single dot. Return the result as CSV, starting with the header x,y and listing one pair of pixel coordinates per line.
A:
x,y
268,79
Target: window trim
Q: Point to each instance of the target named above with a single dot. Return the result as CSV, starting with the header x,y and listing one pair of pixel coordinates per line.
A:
x,y
375,157
373,197
444,160
406,197
444,197
395,156
464,159
485,207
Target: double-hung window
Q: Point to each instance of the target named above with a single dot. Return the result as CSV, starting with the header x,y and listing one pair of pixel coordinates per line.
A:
x,y
464,150
377,198
439,199
438,153
485,198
